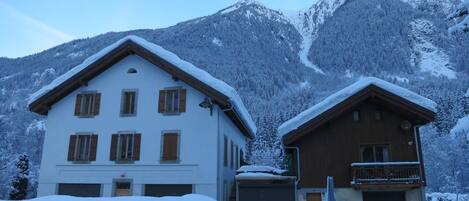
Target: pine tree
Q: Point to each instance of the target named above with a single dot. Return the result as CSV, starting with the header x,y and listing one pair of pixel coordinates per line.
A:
x,y
20,182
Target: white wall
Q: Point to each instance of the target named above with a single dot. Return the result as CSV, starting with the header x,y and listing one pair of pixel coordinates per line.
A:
x,y
228,129
199,134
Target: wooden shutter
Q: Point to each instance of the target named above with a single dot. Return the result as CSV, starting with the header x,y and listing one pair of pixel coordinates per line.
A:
x,y
71,147
136,147
97,101
161,101
93,147
113,152
182,100
170,147
78,105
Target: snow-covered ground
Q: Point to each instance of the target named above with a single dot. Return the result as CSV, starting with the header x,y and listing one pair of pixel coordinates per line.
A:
x,y
447,197
190,197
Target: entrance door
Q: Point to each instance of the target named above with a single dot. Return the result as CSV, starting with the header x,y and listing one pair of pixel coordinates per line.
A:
x,y
384,196
313,197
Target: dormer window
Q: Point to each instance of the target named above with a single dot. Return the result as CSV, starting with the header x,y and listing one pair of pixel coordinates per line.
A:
x,y
132,71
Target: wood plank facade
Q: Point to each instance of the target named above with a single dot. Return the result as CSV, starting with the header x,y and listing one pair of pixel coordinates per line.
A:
x,y
329,144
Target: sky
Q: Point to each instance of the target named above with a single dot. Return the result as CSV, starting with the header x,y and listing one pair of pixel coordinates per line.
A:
x,y
31,26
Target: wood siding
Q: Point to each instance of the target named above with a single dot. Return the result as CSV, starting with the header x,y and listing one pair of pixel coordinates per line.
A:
x,y
330,149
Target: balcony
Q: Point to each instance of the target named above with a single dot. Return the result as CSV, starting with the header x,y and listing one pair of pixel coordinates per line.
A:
x,y
386,175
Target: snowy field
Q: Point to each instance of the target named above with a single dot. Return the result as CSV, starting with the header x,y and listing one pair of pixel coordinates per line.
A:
x,y
190,197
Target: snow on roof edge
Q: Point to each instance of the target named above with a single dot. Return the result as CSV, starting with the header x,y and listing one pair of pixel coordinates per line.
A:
x,y
344,94
172,58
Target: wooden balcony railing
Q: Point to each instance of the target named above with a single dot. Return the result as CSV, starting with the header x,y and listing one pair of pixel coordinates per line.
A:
x,y
375,175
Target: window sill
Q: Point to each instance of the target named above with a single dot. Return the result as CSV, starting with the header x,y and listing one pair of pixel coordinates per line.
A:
x,y
81,162
124,162
86,116
128,115
170,161
171,113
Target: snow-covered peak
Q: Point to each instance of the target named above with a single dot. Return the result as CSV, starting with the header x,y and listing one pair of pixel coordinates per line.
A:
x,y
240,4
254,9
347,92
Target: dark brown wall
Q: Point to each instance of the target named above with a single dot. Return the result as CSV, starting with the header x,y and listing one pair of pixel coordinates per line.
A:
x,y
330,149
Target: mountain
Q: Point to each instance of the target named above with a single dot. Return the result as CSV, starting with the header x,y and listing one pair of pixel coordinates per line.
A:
x,y
282,63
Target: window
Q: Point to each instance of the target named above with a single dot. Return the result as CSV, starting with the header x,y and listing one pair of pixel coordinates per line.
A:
x,y
356,115
125,147
132,71
225,152
170,147
378,115
172,101
231,155
79,190
374,153
122,188
82,147
241,158
129,103
236,158
87,104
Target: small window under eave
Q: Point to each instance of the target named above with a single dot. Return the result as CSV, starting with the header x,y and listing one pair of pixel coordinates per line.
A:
x,y
132,71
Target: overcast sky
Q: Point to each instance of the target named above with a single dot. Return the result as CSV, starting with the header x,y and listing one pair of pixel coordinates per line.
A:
x,y
30,26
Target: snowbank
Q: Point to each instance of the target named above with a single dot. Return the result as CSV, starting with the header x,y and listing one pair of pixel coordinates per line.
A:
x,y
447,197
347,92
190,197
185,66
259,169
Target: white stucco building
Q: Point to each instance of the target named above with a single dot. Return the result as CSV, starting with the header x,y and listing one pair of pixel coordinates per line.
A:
x,y
134,119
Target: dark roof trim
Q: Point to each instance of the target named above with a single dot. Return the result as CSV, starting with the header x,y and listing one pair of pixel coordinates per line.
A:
x,y
45,102
424,114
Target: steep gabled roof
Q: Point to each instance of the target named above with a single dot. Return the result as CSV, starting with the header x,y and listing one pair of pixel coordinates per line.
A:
x,y
353,94
222,94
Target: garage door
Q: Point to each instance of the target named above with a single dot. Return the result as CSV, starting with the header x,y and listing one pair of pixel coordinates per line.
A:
x,y
159,190
383,196
80,190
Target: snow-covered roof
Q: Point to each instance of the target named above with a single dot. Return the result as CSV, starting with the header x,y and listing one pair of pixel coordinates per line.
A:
x,y
262,176
170,57
189,197
347,92
259,169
